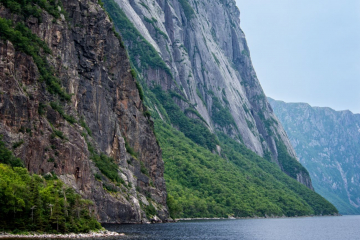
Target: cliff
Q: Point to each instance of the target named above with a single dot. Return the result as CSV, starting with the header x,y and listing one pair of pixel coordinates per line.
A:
x,y
70,106
327,144
198,51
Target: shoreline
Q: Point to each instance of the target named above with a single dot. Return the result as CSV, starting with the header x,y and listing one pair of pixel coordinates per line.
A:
x,y
106,233
103,234
255,217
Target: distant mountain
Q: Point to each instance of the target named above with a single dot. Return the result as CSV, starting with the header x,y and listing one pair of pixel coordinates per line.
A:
x,y
327,144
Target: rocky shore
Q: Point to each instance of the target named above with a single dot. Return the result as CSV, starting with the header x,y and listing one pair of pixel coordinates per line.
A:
x,y
104,233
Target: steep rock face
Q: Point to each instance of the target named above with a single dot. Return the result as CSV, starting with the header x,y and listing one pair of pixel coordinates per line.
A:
x,y
327,143
104,115
206,51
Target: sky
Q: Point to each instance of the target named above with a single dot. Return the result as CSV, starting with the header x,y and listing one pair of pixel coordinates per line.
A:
x,y
306,51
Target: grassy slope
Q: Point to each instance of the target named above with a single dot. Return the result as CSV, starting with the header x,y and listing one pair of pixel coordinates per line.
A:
x,y
207,185
239,183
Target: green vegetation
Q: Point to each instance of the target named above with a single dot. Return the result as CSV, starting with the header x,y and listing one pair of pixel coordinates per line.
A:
x,y
100,3
7,157
202,184
188,10
150,210
57,107
27,8
83,124
138,46
173,205
221,115
41,109
192,128
33,203
147,114
145,6
158,30
201,97
109,187
17,144
267,122
143,169
133,73
129,149
290,165
58,134
177,95
141,92
29,43
107,166
238,183
196,113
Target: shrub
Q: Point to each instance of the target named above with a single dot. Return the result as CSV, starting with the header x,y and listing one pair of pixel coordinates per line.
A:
x,y
60,110
97,176
59,134
147,114
143,169
107,166
41,109
23,40
141,92
83,124
188,10
150,210
7,157
129,149
18,144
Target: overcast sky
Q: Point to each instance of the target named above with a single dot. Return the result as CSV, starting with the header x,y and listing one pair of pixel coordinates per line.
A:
x,y
306,51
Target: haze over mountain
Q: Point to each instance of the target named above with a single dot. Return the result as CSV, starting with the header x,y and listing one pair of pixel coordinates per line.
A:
x,y
327,144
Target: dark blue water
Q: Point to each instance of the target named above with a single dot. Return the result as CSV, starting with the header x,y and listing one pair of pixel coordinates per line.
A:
x,y
317,228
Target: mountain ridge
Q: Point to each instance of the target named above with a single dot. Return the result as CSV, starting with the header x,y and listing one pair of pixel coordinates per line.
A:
x,y
327,147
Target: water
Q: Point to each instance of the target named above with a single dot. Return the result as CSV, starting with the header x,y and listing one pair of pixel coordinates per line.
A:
x,y
317,228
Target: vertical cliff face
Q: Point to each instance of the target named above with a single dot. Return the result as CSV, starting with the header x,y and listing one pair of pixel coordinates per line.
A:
x,y
91,125
205,58
327,143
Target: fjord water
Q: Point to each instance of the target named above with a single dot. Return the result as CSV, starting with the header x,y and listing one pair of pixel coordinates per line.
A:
x,y
319,228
